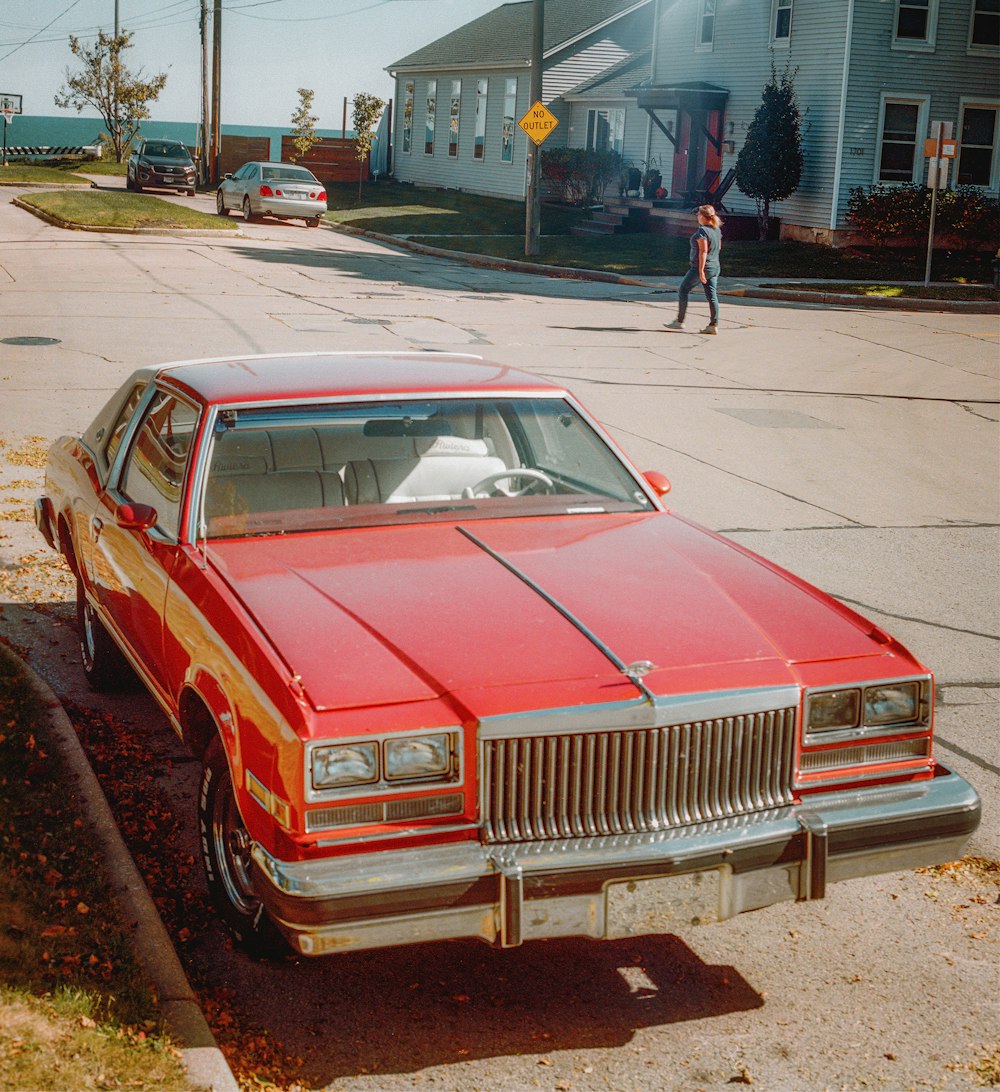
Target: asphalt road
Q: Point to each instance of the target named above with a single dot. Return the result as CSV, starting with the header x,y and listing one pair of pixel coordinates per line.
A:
x,y
857,448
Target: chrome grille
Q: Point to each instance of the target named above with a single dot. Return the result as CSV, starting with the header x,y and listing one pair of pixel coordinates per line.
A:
x,y
625,782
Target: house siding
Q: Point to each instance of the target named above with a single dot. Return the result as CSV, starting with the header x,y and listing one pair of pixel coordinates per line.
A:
x,y
489,175
741,61
563,69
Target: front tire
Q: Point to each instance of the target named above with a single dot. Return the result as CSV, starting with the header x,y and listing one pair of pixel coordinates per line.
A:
x,y
103,662
225,852
220,204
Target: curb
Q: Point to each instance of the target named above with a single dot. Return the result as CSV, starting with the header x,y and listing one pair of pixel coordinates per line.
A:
x,y
837,299
57,221
561,271
824,299
205,1063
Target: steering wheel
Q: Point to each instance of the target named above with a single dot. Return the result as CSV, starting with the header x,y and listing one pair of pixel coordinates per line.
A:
x,y
490,482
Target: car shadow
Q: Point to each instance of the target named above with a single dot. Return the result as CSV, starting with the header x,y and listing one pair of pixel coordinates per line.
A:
x,y
459,1001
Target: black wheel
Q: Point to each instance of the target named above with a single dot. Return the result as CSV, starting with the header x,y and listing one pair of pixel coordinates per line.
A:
x,y
190,192
104,664
220,204
137,185
314,221
247,211
225,851
128,182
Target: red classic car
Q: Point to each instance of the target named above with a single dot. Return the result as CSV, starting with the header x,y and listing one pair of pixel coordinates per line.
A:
x,y
453,669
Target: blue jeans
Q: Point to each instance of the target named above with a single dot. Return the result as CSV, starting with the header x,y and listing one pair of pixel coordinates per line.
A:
x,y
711,286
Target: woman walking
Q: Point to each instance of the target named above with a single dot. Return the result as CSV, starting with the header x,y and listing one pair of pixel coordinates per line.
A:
x,y
706,243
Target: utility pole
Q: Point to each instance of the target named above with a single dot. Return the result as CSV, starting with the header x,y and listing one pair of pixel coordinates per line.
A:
x,y
116,19
206,119
216,141
532,205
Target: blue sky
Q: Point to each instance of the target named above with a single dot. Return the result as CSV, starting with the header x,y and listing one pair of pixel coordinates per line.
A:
x,y
270,49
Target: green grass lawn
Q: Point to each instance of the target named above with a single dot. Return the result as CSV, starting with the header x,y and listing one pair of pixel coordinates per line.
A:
x,y
495,227
968,292
33,172
117,208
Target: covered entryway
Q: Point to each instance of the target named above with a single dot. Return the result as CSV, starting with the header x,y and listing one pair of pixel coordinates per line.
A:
x,y
700,109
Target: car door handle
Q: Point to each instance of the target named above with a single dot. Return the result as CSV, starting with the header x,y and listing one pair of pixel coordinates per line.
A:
x,y
96,527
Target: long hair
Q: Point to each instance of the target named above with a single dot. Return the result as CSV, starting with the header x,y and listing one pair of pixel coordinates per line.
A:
x,y
709,213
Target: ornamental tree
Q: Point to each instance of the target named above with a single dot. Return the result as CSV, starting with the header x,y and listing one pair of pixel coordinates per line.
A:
x,y
304,125
769,166
120,96
366,110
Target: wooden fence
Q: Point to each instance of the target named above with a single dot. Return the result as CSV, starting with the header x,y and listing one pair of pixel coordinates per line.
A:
x,y
331,160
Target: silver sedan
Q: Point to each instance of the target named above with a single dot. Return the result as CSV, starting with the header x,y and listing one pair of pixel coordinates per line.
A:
x,y
283,190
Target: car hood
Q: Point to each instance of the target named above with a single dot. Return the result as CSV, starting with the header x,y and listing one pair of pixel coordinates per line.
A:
x,y
501,614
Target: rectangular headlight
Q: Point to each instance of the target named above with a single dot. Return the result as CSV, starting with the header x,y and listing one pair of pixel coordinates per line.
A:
x,y
834,710
893,703
410,757
344,764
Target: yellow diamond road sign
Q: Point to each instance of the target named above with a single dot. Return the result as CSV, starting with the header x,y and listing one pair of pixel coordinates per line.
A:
x,y
538,122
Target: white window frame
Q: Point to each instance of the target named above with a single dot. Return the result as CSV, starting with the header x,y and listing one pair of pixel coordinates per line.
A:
x,y
409,88
615,118
927,44
482,105
777,7
923,105
454,118
707,10
430,116
979,49
977,104
509,119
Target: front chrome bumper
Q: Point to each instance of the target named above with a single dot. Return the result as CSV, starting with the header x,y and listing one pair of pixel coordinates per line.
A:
x,y
615,886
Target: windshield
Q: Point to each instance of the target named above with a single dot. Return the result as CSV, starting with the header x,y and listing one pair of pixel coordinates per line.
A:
x,y
167,151
285,469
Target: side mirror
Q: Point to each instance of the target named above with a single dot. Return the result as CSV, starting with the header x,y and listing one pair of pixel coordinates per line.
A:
x,y
660,483
227,176
135,517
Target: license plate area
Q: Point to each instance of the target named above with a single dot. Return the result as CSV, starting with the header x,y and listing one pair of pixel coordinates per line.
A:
x,y
644,907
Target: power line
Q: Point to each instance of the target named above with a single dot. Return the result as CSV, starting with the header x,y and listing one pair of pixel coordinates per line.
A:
x,y
44,28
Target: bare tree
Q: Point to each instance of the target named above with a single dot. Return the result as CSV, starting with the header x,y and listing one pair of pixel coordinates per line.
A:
x,y
120,96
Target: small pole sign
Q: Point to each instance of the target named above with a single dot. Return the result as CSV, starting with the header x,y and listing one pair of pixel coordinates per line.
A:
x,y
940,149
538,123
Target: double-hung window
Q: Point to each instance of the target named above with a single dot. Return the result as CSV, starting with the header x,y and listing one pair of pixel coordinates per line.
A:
x,y
901,132
705,38
916,24
984,27
978,152
781,23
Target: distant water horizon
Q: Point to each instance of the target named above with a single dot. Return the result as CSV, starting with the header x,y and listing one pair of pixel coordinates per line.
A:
x,y
55,131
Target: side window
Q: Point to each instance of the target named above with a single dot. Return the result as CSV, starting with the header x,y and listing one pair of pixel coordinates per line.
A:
x,y
984,31
781,22
507,126
706,25
978,147
916,24
154,470
114,440
903,122
429,117
454,116
408,116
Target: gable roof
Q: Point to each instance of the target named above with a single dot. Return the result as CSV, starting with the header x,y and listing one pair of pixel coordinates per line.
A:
x,y
502,38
